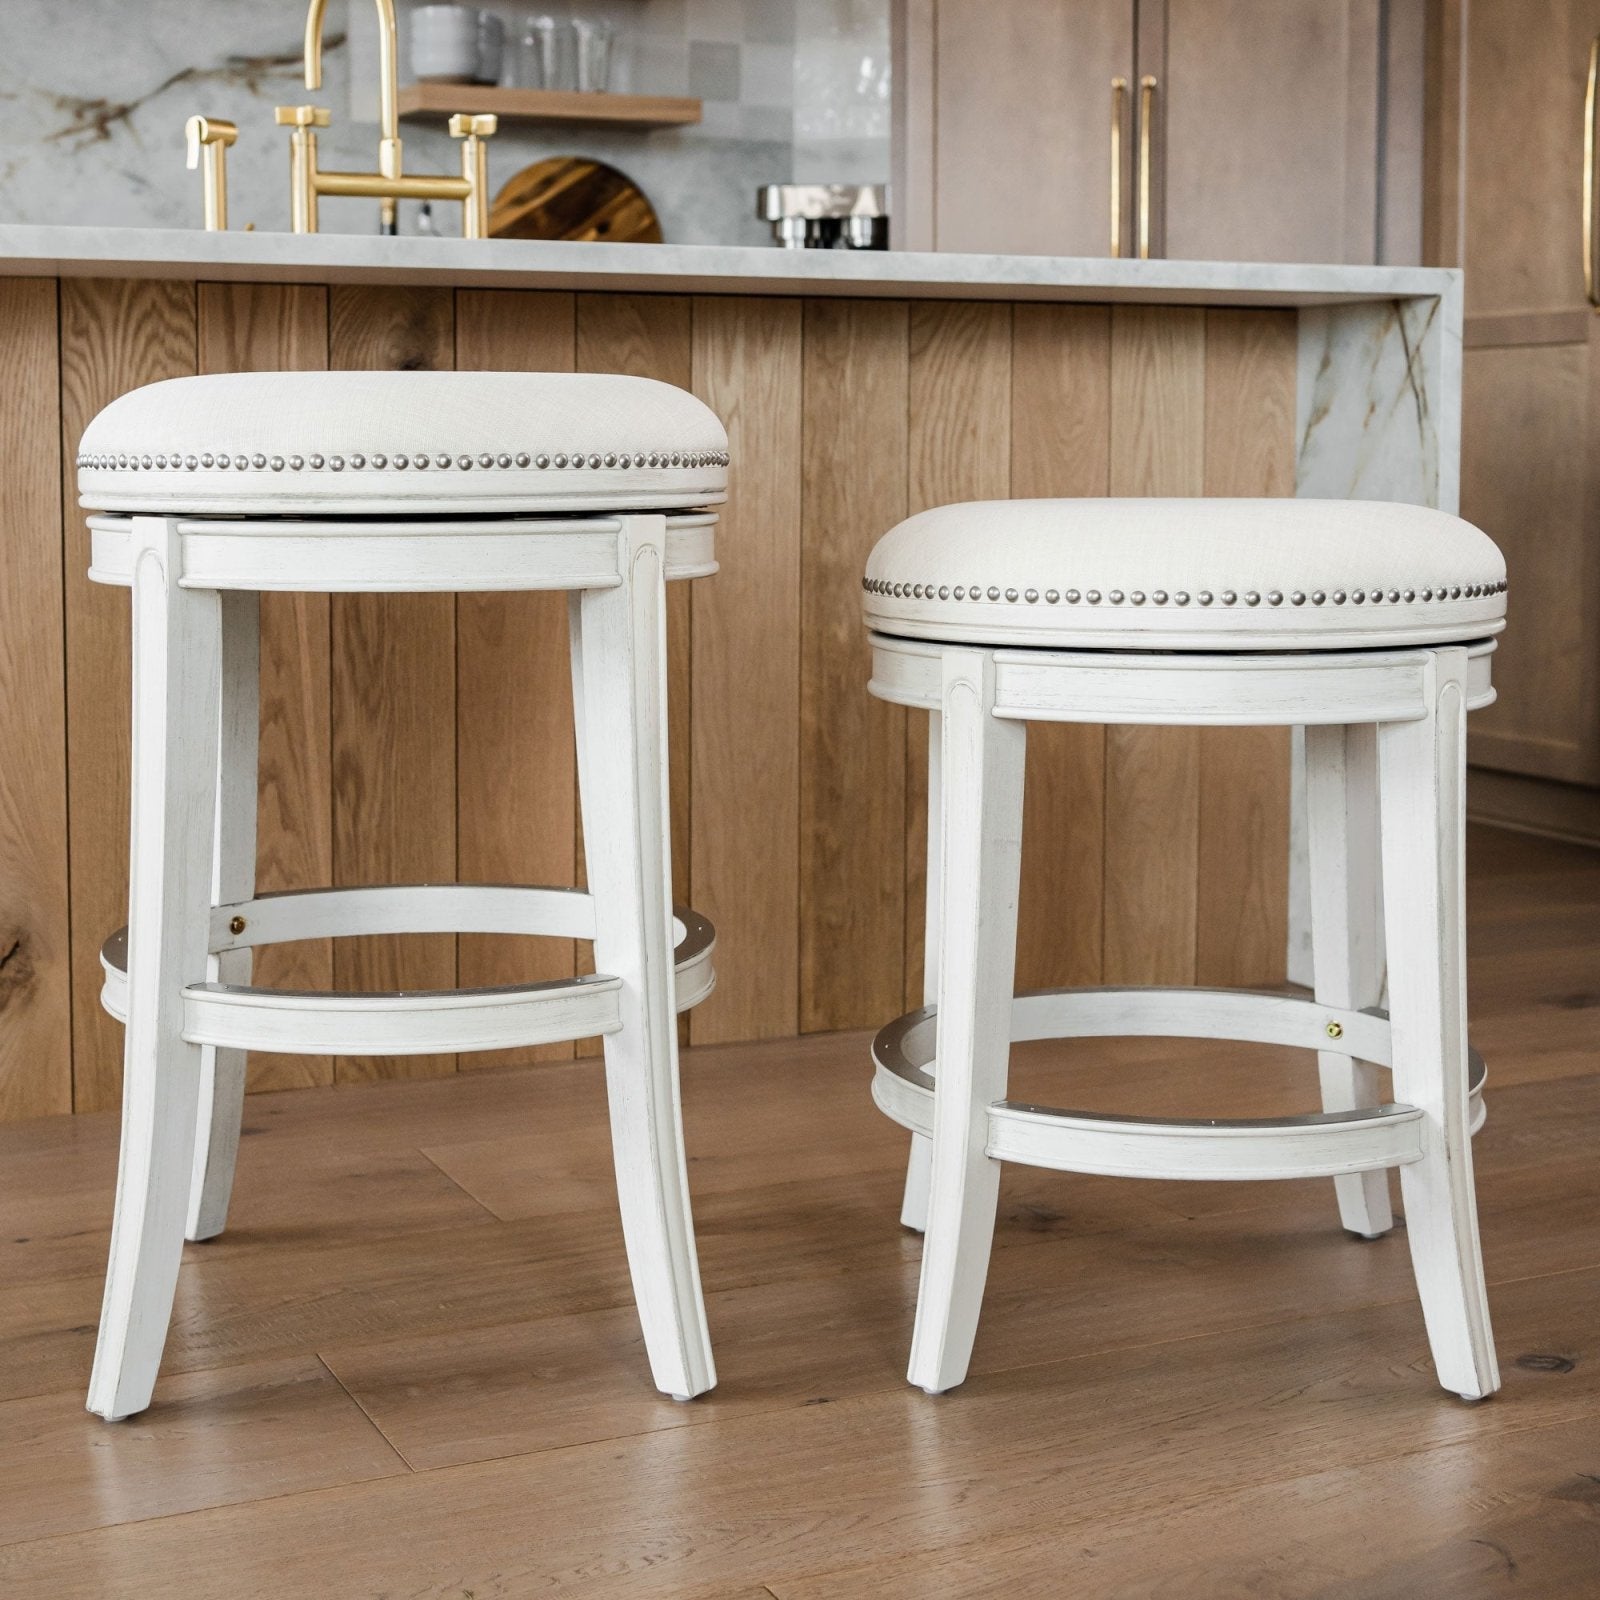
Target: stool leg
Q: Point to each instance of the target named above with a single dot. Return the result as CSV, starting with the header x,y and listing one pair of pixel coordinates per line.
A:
x,y
619,669
1422,768
982,763
233,879
914,1206
1347,933
175,695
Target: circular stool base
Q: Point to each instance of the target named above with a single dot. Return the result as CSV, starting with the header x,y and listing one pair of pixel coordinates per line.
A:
x,y
1323,1144
412,1022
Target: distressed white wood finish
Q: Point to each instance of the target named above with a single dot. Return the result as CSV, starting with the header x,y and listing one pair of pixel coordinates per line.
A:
x,y
233,878
1422,785
1385,753
176,672
241,1018
619,685
385,556
914,1205
1341,781
979,873
179,973
1202,690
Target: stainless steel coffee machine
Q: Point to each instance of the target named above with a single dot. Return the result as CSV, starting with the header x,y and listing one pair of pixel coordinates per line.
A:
x,y
826,216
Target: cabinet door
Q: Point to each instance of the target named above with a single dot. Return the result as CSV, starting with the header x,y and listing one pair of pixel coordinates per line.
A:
x,y
1269,128
1525,76
1022,139
1527,479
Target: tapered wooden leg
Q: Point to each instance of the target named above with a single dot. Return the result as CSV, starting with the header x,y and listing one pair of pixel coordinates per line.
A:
x,y
980,864
619,657
914,1206
233,878
175,698
1347,933
1422,773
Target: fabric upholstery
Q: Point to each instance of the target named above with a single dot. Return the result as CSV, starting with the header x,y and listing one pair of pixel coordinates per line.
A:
x,y
1186,574
356,443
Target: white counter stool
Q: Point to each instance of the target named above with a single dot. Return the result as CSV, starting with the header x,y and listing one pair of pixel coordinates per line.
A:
x,y
219,487
1369,624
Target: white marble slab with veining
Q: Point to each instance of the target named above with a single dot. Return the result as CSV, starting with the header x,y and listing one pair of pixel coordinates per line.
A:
x,y
696,269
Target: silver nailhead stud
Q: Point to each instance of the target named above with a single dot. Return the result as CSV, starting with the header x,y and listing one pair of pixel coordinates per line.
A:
x,y
258,462
594,461
464,462
1251,598
161,461
486,460
944,592
241,462
1030,595
1297,598
1409,596
1093,597
358,462
611,461
1275,597
1159,597
297,462
277,463
1394,597
1204,597
1137,597
1011,595
441,460
336,463
994,594
318,463
1115,597
505,461
380,462
1338,597
960,592
206,461
1073,597
1317,597
1427,594
1051,596
191,462
400,463
1230,597
420,463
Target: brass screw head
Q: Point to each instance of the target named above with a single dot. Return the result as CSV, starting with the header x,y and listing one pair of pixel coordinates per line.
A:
x,y
237,925
1335,1030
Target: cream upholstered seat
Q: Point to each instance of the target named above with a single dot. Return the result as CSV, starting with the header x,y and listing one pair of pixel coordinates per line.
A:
x,y
354,443
1186,575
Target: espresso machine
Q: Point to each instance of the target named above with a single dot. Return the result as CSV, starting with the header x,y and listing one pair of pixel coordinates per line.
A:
x,y
826,216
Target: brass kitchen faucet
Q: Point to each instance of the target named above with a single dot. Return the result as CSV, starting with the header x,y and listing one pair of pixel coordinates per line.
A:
x,y
308,183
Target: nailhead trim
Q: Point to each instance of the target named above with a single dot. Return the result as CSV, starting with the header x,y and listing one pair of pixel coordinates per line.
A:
x,y
1160,597
398,463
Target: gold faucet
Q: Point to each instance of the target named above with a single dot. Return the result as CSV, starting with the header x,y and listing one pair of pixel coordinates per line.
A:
x,y
211,136
389,183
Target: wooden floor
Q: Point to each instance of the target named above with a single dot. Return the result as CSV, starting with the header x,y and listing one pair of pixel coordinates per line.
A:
x,y
411,1368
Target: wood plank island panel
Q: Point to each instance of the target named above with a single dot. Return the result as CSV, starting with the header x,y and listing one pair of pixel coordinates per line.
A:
x,y
423,737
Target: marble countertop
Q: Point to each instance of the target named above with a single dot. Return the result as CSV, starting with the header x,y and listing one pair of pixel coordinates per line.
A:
x,y
32,250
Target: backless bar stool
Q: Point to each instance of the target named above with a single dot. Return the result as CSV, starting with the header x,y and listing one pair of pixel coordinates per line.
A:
x,y
1369,624
215,488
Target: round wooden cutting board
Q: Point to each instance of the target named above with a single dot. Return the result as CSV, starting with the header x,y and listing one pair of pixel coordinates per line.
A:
x,y
571,197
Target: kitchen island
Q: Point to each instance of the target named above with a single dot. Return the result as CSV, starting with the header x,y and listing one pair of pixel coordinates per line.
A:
x,y
427,737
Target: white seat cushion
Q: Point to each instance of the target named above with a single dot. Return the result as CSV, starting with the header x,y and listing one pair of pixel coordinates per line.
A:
x,y
1186,575
355,443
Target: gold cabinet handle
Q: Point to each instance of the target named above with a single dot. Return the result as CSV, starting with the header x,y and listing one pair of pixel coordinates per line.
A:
x,y
1147,98
1119,93
1588,173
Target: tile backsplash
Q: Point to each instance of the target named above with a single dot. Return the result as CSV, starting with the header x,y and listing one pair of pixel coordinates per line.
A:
x,y
93,97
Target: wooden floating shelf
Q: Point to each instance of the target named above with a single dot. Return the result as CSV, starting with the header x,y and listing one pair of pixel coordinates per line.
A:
x,y
437,101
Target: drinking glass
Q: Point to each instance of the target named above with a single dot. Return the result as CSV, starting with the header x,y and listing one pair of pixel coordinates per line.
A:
x,y
592,42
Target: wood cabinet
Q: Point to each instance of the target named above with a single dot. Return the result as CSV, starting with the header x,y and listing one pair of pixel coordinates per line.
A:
x,y
1530,440
1206,129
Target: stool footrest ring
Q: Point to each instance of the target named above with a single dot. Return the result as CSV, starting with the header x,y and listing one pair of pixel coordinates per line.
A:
x,y
243,1017
1323,1144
